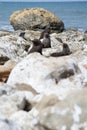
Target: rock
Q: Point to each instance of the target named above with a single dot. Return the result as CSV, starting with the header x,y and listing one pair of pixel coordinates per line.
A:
x,y
6,124
5,70
24,120
47,101
52,114
5,89
15,101
62,72
75,39
4,33
69,114
13,47
35,19
3,59
25,87
30,34
45,75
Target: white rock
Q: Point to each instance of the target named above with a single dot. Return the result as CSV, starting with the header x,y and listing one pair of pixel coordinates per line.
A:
x,y
36,70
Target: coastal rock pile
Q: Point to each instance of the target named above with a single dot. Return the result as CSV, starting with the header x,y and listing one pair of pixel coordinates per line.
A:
x,y
38,91
35,19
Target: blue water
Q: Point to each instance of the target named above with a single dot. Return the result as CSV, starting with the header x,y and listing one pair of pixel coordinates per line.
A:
x,y
73,14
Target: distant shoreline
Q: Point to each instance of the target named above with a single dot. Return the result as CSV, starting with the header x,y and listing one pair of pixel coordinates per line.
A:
x,y
43,1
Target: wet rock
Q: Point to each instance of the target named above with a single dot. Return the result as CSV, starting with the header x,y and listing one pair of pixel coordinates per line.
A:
x,y
35,19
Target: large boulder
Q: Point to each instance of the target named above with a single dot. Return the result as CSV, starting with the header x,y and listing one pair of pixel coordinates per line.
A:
x,y
35,18
46,75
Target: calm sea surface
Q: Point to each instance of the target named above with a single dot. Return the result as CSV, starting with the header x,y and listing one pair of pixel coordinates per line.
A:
x,y
73,14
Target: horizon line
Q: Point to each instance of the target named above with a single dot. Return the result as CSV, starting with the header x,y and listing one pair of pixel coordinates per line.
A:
x,y
44,1
47,1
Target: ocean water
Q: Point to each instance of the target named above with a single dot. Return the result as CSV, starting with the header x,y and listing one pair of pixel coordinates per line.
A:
x,y
73,14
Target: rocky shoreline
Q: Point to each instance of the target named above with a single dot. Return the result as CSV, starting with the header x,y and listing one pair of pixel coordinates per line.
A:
x,y
41,92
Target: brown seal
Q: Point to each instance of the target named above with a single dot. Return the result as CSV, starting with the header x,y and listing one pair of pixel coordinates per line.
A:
x,y
64,52
46,40
37,46
22,34
47,30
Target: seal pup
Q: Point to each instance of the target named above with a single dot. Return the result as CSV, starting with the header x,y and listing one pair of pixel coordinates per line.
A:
x,y
46,40
65,51
22,34
47,30
36,47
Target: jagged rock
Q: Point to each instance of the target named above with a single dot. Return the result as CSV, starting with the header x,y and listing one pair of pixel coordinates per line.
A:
x,y
14,47
75,39
35,18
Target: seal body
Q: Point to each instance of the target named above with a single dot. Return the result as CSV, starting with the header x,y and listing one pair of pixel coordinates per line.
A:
x,y
37,46
47,30
46,40
22,34
65,51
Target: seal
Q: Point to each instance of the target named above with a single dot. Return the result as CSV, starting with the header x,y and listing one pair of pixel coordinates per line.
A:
x,y
47,30
46,40
64,52
36,47
66,49
22,34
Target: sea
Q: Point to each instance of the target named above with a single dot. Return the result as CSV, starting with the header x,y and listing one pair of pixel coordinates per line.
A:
x,y
73,14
